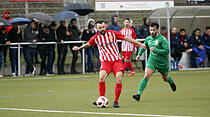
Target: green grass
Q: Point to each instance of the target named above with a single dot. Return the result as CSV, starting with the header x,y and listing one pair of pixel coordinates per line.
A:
x,y
77,92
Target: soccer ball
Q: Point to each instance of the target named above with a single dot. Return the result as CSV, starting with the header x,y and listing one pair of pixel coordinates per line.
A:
x,y
102,102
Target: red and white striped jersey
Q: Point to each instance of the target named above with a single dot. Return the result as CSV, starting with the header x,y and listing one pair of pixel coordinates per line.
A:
x,y
107,45
127,46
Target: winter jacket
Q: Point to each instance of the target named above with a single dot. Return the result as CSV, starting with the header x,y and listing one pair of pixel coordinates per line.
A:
x,y
114,26
206,41
13,37
144,30
86,35
61,33
3,39
195,42
74,33
30,35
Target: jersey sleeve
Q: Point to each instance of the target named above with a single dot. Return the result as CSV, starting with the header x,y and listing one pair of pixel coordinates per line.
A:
x,y
165,46
142,50
119,36
92,41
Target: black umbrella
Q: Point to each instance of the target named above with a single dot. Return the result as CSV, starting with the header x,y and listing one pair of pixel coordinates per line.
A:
x,y
40,16
80,8
4,22
65,15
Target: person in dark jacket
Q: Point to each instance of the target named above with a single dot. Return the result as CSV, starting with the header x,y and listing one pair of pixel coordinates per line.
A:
x,y
39,29
176,51
163,31
30,35
206,42
62,35
86,35
3,40
185,42
116,27
14,36
143,33
51,51
75,36
198,49
44,49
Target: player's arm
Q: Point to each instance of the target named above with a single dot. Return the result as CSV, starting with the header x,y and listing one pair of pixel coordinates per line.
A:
x,y
141,50
165,49
75,48
131,40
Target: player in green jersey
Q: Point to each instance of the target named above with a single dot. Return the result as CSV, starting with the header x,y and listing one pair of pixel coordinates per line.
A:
x,y
158,59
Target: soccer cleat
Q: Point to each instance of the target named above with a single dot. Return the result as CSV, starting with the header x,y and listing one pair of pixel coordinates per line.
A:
x,y
131,74
136,97
94,103
115,105
173,86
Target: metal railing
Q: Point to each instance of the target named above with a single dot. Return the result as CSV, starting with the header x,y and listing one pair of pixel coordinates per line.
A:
x,y
65,42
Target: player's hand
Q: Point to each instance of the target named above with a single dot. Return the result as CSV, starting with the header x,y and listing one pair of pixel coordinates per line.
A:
x,y
75,48
200,47
8,43
135,50
152,49
34,41
143,46
137,57
62,41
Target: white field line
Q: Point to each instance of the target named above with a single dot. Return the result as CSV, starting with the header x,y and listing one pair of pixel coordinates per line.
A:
x,y
91,113
85,77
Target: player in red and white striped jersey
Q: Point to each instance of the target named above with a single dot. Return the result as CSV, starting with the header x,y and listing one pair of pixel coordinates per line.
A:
x,y
106,41
127,47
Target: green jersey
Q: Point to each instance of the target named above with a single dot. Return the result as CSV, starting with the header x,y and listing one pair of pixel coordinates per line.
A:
x,y
158,58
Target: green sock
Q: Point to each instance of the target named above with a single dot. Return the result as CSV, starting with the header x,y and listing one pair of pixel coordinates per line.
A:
x,y
170,81
142,85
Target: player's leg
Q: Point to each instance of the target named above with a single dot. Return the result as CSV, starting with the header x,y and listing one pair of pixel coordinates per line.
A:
x,y
148,73
102,77
128,63
118,72
168,78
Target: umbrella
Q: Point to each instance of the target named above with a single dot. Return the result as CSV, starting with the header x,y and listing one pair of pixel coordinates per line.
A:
x,y
65,15
40,16
80,8
4,22
20,20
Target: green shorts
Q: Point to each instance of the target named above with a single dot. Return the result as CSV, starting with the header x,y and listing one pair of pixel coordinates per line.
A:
x,y
154,67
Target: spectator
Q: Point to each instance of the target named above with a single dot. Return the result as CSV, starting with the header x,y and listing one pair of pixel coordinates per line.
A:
x,y
3,39
44,49
62,35
134,28
51,51
116,27
92,22
176,51
163,31
206,42
185,42
30,35
14,36
75,36
7,16
86,35
39,29
199,52
143,33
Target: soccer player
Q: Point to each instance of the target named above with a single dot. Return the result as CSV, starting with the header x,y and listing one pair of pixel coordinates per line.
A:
x,y
127,47
106,41
158,59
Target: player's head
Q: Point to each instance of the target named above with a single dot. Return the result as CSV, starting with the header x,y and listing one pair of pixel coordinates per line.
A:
x,y
182,32
74,22
153,28
101,27
126,22
207,30
197,32
163,30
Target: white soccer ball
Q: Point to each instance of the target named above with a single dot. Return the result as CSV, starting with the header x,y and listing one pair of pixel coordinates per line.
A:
x,y
102,102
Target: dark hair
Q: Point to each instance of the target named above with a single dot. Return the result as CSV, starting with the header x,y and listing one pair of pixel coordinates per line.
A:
x,y
3,28
127,19
154,24
100,22
182,29
208,27
90,26
106,22
73,19
53,24
197,29
46,26
163,28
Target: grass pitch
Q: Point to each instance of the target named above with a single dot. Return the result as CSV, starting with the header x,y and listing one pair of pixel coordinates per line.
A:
x,y
72,96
